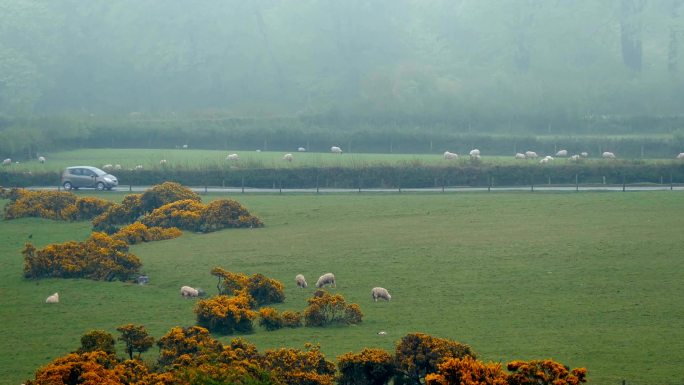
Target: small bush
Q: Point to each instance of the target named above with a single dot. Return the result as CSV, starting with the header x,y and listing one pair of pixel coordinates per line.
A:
x,y
183,214
419,354
261,289
467,370
300,367
227,213
291,319
138,232
128,211
369,367
225,315
165,193
270,319
190,342
544,372
325,309
97,340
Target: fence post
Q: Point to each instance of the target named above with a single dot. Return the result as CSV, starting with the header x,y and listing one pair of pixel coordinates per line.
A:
x,y
359,181
576,183
489,187
243,184
671,184
280,186
623,183
205,189
130,187
316,182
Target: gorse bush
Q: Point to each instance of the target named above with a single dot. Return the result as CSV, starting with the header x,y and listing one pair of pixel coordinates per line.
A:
x,y
128,211
165,193
184,214
137,233
270,319
291,319
369,367
419,354
299,367
467,371
97,340
53,205
100,257
226,315
325,309
544,372
261,289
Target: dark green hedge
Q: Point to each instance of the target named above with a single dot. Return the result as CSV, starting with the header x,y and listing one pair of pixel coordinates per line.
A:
x,y
389,176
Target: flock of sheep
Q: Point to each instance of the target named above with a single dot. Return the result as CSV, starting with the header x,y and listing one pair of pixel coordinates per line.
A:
x,y
475,154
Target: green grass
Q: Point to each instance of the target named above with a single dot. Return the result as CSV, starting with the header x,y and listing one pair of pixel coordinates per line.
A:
x,y
590,279
209,159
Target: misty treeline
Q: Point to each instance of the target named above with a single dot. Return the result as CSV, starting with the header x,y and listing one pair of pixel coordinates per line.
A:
x,y
552,67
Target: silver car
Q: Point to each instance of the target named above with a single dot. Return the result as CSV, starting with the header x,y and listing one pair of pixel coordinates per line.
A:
x,y
87,176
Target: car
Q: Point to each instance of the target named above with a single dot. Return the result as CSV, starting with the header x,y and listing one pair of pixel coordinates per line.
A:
x,y
86,176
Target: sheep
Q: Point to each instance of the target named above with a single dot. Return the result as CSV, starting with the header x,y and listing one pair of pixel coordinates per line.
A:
x,y
185,147
531,155
162,162
41,159
475,153
681,155
326,279
519,156
575,158
190,292
450,155
7,162
233,157
117,167
381,293
562,153
300,281
608,155
584,154
139,167
335,150
546,159
288,157
301,149
107,167
53,298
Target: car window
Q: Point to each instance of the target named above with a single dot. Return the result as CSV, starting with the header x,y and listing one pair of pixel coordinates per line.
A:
x,y
75,171
87,172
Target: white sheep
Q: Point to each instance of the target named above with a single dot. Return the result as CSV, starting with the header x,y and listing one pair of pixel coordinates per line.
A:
x,y
288,157
117,167
531,155
326,279
450,155
162,162
335,150
7,162
474,153
139,167
189,292
41,159
575,158
301,149
233,157
584,154
53,298
185,147
562,153
300,281
546,159
681,155
519,156
381,293
608,155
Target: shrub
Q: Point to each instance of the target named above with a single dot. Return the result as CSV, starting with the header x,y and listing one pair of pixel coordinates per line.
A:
x,y
544,372
55,205
165,193
100,257
467,371
89,208
138,232
261,289
325,309
291,319
227,213
136,339
183,214
270,319
419,354
128,211
369,367
299,367
191,342
225,315
97,340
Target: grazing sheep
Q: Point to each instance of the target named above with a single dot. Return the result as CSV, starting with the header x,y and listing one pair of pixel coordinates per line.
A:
x,y
53,298
335,150
258,150
107,167
41,159
233,157
7,162
531,155
475,153
185,147
301,149
562,153
546,159
301,282
681,155
162,162
189,292
575,158
519,156
382,333
117,167
608,155
450,155
288,157
326,279
584,154
381,293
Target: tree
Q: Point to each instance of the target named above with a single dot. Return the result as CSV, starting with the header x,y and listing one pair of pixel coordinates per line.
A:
x,y
95,340
419,354
136,339
369,367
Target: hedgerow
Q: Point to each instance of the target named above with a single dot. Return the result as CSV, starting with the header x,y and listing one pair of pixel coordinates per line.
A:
x,y
55,205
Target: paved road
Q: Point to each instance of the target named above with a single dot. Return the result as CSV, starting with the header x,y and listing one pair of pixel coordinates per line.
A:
x,y
540,188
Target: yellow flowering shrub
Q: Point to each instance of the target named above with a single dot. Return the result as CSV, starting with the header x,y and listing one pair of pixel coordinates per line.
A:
x,y
467,371
261,289
270,319
291,319
369,367
137,232
55,205
165,193
128,211
227,213
97,340
418,355
100,257
325,309
191,342
226,315
299,367
544,372
183,214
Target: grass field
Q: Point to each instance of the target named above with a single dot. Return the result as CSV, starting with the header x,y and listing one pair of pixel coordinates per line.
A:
x,y
194,159
590,279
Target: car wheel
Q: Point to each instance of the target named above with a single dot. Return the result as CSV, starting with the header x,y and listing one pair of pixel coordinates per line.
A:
x,y
68,186
100,186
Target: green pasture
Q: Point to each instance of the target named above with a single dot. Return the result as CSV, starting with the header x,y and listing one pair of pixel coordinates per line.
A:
x,y
591,280
213,159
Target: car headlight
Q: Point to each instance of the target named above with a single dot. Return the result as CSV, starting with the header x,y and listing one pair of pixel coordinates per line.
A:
x,y
108,180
